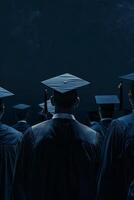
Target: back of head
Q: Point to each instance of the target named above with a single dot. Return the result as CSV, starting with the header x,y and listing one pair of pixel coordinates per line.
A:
x,y
21,111
64,87
106,110
21,114
65,100
107,105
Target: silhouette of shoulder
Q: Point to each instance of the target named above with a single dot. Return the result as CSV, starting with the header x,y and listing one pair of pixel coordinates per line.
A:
x,y
9,135
50,128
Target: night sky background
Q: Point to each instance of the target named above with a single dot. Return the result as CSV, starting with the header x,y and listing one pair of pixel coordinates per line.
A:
x,y
41,39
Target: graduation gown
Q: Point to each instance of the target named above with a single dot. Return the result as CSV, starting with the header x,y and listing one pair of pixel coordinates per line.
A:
x,y
9,146
21,126
102,128
117,168
59,160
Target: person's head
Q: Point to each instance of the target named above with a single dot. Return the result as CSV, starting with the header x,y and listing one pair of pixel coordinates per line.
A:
x,y
2,109
22,111
106,105
65,98
22,114
131,95
3,94
65,102
106,111
130,81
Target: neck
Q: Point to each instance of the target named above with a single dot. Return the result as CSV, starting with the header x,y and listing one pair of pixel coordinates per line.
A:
x,y
22,120
106,118
63,116
64,110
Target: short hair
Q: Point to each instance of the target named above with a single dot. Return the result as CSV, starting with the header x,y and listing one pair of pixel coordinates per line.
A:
x,y
107,110
21,114
65,100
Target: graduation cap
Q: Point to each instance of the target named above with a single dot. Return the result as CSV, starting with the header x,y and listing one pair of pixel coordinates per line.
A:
x,y
65,83
22,111
50,107
107,99
129,77
41,105
21,107
106,105
5,93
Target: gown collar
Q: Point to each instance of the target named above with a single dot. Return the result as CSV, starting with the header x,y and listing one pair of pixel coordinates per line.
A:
x,y
63,116
22,121
105,119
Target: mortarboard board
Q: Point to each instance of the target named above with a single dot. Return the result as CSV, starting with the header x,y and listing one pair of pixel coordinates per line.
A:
x,y
41,105
5,93
107,99
21,106
129,77
65,83
50,107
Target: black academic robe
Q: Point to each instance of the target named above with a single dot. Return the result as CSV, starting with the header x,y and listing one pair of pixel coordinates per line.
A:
x,y
9,147
117,170
21,126
59,160
42,117
102,126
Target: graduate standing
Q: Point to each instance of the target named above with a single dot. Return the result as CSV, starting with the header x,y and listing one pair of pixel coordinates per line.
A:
x,y
118,165
106,107
22,113
59,157
9,146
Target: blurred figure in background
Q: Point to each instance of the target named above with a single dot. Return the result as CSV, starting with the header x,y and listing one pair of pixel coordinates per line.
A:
x,y
92,118
9,147
22,112
106,108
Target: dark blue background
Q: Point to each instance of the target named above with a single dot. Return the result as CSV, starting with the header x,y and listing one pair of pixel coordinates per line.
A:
x,y
40,39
